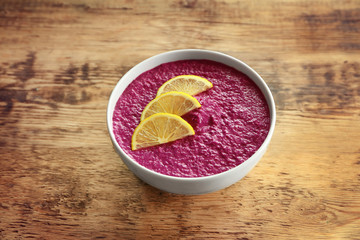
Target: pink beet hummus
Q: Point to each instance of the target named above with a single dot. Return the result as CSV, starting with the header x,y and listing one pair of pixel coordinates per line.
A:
x,y
230,126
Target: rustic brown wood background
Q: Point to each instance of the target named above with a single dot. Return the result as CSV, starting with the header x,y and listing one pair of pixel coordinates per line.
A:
x,y
60,177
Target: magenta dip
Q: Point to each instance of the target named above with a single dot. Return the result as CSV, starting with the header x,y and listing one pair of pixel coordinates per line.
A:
x,y
230,126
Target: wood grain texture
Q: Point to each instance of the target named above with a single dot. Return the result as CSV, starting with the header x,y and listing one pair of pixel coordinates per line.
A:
x,y
60,177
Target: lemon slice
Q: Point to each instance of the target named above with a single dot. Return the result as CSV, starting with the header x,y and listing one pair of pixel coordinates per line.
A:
x,y
189,84
177,103
158,129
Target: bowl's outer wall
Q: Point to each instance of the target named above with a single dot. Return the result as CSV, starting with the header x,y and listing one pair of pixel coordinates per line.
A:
x,y
199,185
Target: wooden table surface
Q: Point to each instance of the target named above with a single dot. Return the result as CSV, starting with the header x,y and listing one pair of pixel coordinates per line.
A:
x,y
60,177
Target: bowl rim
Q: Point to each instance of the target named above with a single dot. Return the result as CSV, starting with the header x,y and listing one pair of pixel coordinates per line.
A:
x,y
266,91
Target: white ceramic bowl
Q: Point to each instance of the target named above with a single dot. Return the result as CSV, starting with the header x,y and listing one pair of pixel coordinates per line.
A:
x,y
198,185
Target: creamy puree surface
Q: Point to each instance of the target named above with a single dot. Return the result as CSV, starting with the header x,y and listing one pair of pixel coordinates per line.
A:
x,y
230,126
